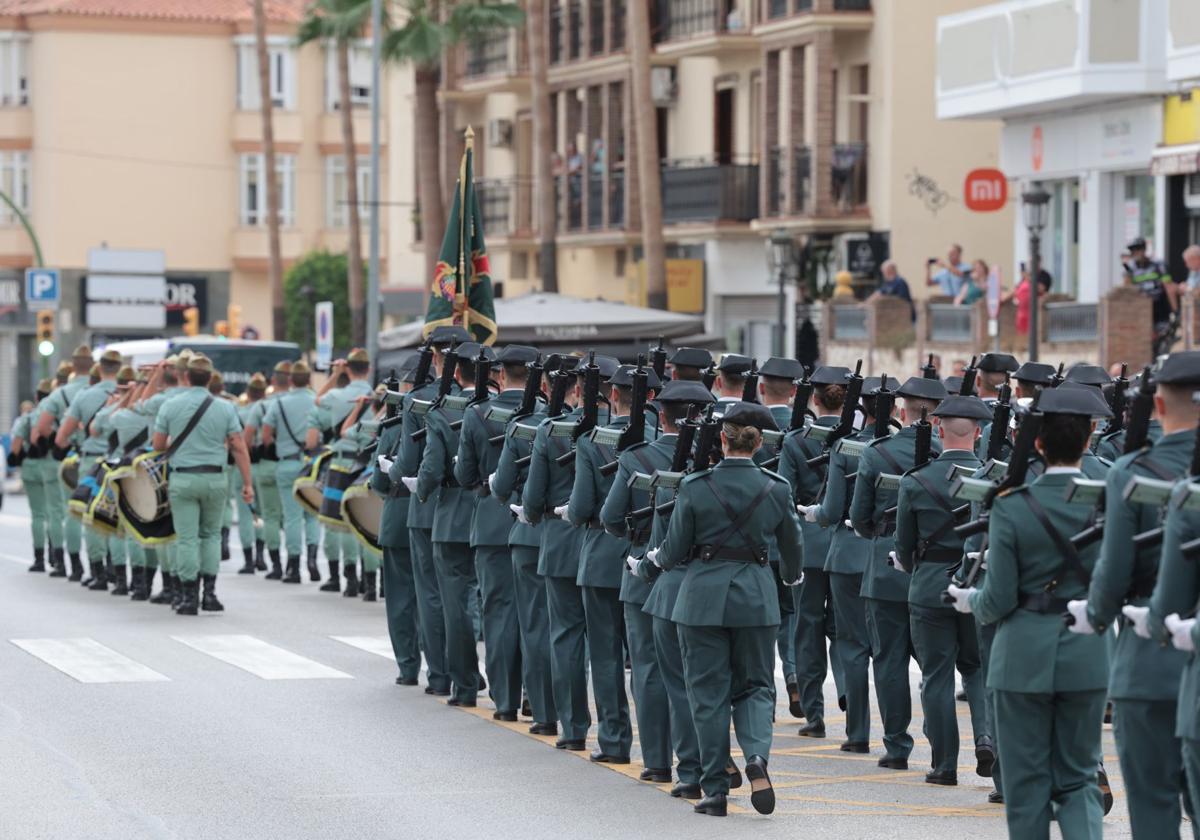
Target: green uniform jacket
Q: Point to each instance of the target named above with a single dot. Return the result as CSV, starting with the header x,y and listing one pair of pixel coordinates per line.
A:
x,y
1178,591
880,580
1142,669
731,593
455,506
1112,446
622,499
420,512
393,524
477,460
84,408
509,479
548,486
294,405
602,561
806,484
59,401
1034,652
848,552
205,444
923,524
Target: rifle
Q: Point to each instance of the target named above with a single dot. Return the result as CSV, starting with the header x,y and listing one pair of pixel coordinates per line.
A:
x,y
1001,412
707,434
679,463
928,371
924,440
424,363
635,432
1059,376
445,385
750,388
560,382
709,376
591,408
483,369
885,400
845,426
529,397
1117,402
800,412
658,360
1140,410
968,383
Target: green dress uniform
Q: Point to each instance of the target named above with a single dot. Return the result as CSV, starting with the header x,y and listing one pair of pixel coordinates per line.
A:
x,y
491,522
327,416
84,408
786,643
38,489
727,607
401,601
1049,683
547,487
286,416
197,486
56,406
1144,686
600,571
118,556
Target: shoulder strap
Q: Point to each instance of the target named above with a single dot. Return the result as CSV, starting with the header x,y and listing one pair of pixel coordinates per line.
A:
x,y
288,426
191,424
137,440
889,457
1153,466
1070,557
737,519
944,503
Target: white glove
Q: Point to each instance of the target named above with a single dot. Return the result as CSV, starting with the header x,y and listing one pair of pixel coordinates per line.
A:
x,y
1181,632
1081,625
962,597
894,562
409,481
796,582
519,510
807,512
491,483
1140,616
632,563
385,463
652,556
561,511
972,556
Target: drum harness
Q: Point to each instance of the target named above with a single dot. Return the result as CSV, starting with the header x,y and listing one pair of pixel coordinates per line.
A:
x,y
187,430
751,553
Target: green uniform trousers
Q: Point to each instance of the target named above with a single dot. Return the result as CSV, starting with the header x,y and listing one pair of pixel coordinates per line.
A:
x,y
1191,767
283,504
604,615
372,560
683,728
649,691
312,529
116,550
339,542
568,649
815,656
166,557
1152,766
400,604
41,485
245,513
97,544
501,633
987,634
729,669
945,640
891,649
456,583
431,625
197,504
72,527
138,554
1051,752
854,643
533,620
230,496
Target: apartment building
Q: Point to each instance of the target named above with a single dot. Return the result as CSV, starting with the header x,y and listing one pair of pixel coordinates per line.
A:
x,y
815,116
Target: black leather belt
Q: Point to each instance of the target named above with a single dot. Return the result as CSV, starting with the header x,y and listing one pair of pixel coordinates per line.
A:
x,y
203,468
738,555
1042,602
594,525
941,555
295,457
640,536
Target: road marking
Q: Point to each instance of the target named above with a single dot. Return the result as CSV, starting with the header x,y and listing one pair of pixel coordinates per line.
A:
x,y
24,561
378,645
260,658
88,661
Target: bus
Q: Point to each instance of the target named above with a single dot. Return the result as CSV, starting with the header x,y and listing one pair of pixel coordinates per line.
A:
x,y
237,360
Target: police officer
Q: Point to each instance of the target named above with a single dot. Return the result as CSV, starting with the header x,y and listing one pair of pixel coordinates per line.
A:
x,y
991,373
249,532
1049,682
927,547
689,363
727,607
199,427
37,480
281,433
730,384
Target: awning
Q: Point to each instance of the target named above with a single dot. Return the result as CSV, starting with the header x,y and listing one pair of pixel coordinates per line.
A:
x,y
1175,160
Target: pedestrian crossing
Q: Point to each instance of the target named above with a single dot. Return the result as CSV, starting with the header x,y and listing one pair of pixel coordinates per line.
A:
x,y
261,658
88,661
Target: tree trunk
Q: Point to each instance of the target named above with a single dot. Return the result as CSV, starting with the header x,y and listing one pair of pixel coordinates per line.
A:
x,y
355,295
543,144
645,124
274,259
429,183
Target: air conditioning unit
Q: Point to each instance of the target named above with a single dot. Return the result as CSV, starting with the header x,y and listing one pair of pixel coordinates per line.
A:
x,y
662,85
499,133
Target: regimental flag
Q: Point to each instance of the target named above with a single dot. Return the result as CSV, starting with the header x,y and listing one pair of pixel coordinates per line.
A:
x,y
462,282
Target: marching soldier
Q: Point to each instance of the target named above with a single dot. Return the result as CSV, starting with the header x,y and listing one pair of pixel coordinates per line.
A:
x,y
216,387
39,482
195,428
282,435
927,547
250,533
132,429
727,608
689,363
102,428
360,428
730,384
267,493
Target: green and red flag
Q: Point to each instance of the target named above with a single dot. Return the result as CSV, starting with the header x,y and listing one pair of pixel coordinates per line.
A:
x,y
462,281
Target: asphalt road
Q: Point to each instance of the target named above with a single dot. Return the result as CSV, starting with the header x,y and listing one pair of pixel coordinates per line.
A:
x,y
279,718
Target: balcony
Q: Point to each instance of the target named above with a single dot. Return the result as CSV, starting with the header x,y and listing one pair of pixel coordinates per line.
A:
x,y
1030,56
595,201
849,173
950,323
506,206
704,191
582,33
1070,322
849,321
704,27
1183,41
794,17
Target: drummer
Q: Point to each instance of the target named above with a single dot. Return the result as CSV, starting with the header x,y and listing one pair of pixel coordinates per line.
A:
x,y
265,489
360,429
283,426
250,531
133,437
102,428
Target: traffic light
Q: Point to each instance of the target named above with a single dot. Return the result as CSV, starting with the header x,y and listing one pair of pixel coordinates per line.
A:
x,y
45,332
233,316
221,328
191,321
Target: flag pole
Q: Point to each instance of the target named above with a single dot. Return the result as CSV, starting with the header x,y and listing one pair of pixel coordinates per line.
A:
x,y
463,281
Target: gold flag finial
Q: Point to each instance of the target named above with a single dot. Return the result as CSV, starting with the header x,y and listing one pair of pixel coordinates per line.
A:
x,y
469,136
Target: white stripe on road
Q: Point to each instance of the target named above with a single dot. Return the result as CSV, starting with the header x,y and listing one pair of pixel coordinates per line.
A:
x,y
260,658
88,661
378,645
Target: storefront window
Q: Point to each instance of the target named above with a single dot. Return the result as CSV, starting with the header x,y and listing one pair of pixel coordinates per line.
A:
x,y
1138,209
1061,243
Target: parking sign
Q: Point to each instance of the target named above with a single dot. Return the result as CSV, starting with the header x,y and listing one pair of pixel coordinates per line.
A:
x,y
42,288
324,333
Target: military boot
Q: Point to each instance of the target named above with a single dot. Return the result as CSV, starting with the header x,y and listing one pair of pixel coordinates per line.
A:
x,y
188,597
179,594
276,570
143,584
293,569
99,578
334,583
362,578
76,567
351,590
39,560
209,602
167,594
248,562
120,584
314,571
57,566
369,580
108,567
224,544
89,570
259,563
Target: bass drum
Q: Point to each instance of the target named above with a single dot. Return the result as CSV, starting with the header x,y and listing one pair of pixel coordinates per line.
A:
x,y
362,511
309,487
68,472
337,480
90,475
102,511
142,500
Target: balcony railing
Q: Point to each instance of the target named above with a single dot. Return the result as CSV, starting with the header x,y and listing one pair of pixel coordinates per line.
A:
x,y
556,32
849,321
596,26
775,205
802,180
1070,321
488,56
617,19
852,5
506,206
783,8
849,173
575,32
704,191
949,322
588,196
692,18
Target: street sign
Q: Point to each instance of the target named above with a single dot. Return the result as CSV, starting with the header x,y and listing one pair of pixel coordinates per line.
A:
x,y
42,288
985,190
125,288
324,333
993,292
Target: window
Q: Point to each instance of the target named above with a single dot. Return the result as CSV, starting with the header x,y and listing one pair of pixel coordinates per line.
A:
x,y
14,81
283,73
336,206
14,181
252,190
360,76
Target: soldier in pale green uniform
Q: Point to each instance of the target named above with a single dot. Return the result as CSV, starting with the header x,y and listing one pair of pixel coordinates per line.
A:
x,y
1144,687
927,547
360,429
53,488
728,607
34,478
884,588
197,489
132,429
216,387
165,383
281,432
122,549
269,495
1049,683
249,530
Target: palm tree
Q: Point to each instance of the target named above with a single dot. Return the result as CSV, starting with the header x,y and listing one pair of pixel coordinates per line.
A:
x,y
649,174
275,260
543,143
430,28
343,22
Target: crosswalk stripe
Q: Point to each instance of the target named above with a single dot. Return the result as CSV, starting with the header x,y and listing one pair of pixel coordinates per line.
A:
x,y
88,661
378,645
260,658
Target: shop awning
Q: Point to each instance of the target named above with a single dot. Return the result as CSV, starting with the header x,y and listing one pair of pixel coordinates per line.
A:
x,y
1175,160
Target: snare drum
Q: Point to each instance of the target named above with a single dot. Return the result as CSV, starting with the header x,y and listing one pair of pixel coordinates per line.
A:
x,y
142,500
68,472
362,511
309,487
102,513
336,481
86,488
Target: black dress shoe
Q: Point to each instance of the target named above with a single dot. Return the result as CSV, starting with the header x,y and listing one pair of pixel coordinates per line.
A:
x,y
600,757
406,680
793,693
437,692
507,717
842,702
855,747
716,805
812,730
762,795
466,704
658,775
1105,788
734,774
961,696
684,790
526,709
995,798
895,762
543,729
570,744
941,777
985,757
1108,712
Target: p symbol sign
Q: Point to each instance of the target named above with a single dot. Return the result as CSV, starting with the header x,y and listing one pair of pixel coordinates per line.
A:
x,y
42,288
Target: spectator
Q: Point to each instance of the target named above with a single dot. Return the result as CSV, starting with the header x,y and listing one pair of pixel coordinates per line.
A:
x,y
953,272
1021,295
574,159
1152,279
1191,259
597,157
894,285
974,285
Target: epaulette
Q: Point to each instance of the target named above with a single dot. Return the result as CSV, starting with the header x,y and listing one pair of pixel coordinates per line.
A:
x,y
695,475
634,446
1013,490
773,475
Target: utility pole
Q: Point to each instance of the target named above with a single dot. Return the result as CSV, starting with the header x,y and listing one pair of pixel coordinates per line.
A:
x,y
373,267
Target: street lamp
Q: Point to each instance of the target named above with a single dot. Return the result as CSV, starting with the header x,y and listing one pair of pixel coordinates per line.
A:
x,y
1035,208
779,262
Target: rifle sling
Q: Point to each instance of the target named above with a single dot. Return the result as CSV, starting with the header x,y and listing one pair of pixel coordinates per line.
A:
x,y
1071,561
